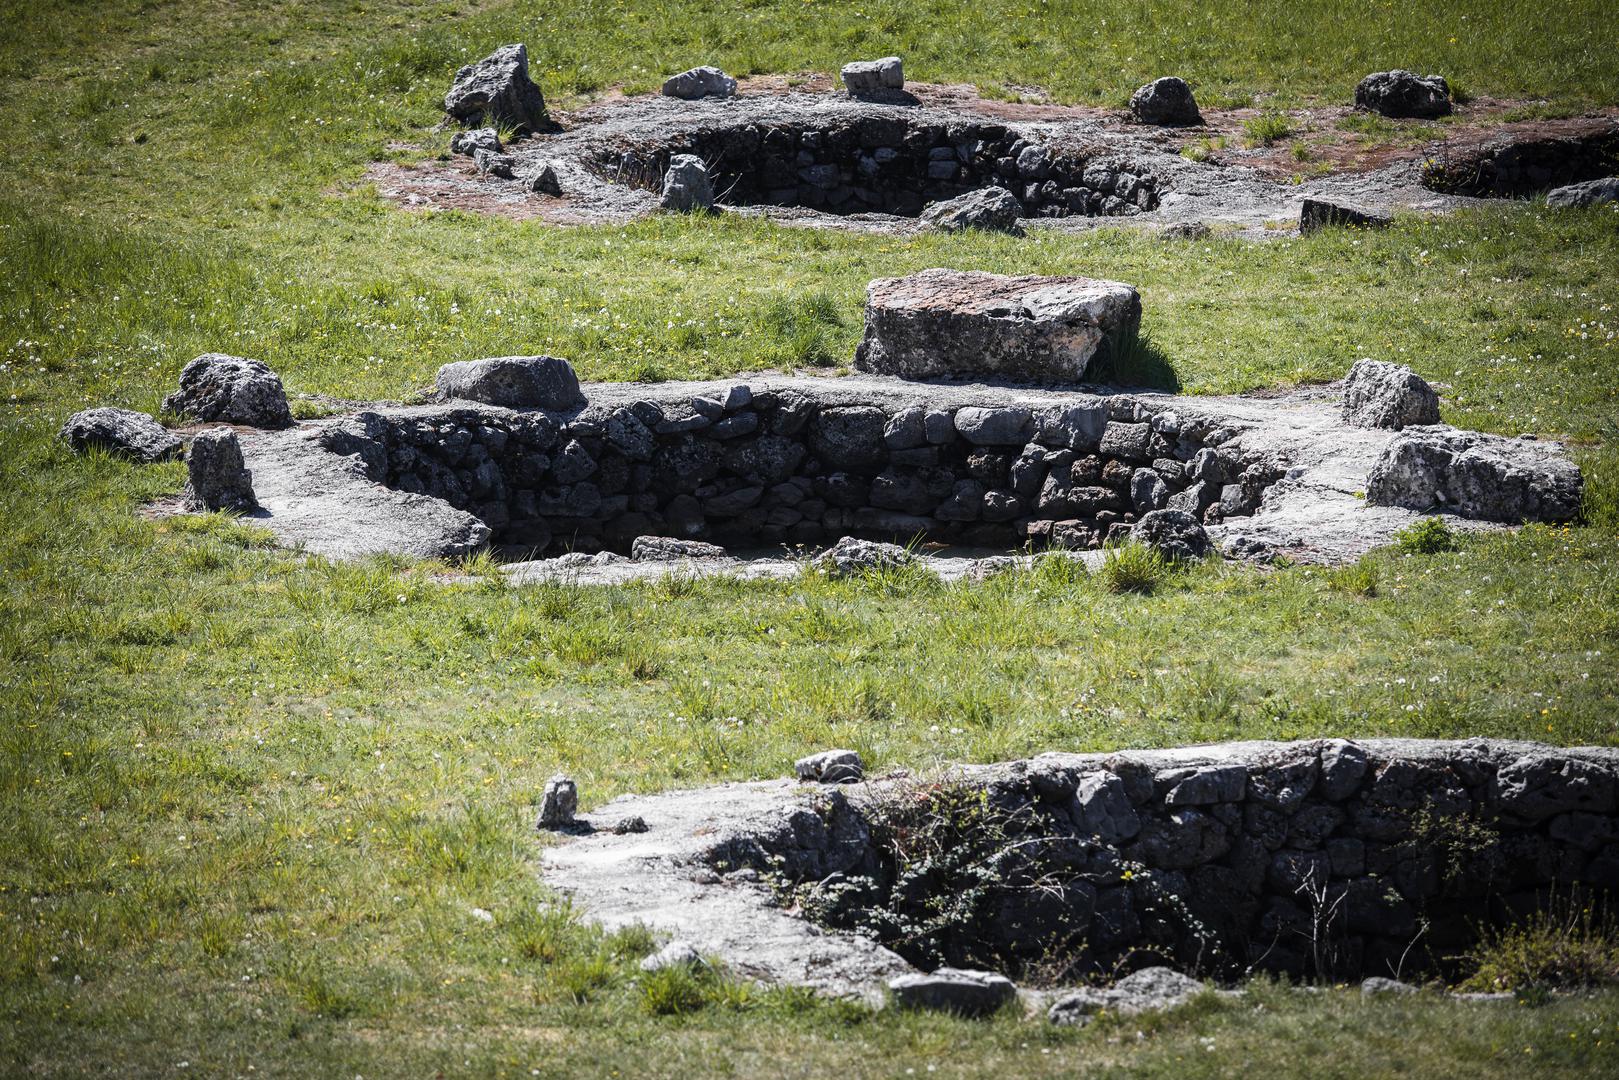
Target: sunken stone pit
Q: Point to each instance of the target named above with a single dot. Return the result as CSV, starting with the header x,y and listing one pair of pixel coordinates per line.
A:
x,y
1327,859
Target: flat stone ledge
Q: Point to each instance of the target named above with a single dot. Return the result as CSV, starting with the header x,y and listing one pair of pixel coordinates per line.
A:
x,y
967,324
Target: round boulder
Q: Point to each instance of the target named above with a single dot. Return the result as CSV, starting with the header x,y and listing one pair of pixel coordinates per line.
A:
x,y
516,382
1165,102
231,390
700,82
1378,394
1175,533
129,434
992,208
1402,94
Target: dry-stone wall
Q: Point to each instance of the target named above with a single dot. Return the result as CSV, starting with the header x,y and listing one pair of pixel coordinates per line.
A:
x,y
742,468
879,161
1330,858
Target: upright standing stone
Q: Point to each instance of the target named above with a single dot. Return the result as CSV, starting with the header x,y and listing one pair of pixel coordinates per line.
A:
x,y
559,803
1378,394
218,478
969,324
686,187
497,89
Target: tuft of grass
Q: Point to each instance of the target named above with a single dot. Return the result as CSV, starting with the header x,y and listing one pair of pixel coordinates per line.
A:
x,y
1267,129
1356,579
1133,567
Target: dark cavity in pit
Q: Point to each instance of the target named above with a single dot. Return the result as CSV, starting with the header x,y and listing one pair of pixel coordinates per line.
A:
x,y
890,165
1521,168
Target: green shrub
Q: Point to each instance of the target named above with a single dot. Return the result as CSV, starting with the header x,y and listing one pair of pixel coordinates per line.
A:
x,y
1426,537
1565,947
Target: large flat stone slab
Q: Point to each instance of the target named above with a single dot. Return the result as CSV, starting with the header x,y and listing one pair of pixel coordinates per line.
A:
x,y
967,324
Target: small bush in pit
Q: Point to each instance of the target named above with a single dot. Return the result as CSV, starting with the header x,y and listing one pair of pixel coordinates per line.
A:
x,y
1267,128
1566,946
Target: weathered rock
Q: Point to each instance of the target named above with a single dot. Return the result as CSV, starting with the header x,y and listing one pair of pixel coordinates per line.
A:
x,y
1316,214
470,142
134,435
491,163
849,438
994,427
686,187
969,324
559,803
991,208
1077,426
1148,491
516,382
497,89
1379,986
869,76
676,954
217,479
1102,808
1166,102
231,390
700,82
831,767
1148,990
1175,533
954,990
1476,476
1378,394
1590,193
1538,786
1402,93
852,556
669,549
543,181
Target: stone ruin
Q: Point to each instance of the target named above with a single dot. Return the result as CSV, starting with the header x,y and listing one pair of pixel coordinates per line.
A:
x,y
878,156
939,439
1328,859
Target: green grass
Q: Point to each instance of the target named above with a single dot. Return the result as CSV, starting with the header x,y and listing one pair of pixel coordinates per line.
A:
x,y
249,800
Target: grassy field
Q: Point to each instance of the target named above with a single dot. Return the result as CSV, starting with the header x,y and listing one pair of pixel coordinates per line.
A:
x,y
249,801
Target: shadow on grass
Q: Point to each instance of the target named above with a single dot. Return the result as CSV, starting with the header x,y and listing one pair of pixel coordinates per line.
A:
x,y
1139,363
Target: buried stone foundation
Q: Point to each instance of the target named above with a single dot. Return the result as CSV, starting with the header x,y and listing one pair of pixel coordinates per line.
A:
x,y
1330,859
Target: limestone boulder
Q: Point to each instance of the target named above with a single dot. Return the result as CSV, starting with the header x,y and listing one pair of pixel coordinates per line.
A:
x,y
231,390
671,549
831,767
134,435
1165,102
470,142
991,208
558,803
497,89
1477,476
1401,93
965,324
700,82
1149,990
852,556
516,382
1378,394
